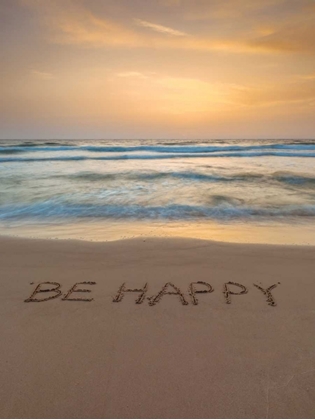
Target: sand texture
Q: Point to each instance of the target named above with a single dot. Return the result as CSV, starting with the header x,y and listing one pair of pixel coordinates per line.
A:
x,y
179,353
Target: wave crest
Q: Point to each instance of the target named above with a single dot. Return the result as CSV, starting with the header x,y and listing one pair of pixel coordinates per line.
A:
x,y
170,148
156,157
218,211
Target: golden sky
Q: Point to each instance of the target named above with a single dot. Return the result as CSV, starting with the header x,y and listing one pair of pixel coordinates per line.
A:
x,y
157,69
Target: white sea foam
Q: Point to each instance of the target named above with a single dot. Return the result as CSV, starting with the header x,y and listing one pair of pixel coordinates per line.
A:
x,y
157,180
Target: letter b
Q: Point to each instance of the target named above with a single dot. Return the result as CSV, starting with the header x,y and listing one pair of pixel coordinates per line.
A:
x,y
38,289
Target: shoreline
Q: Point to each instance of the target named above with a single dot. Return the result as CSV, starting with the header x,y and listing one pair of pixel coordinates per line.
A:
x,y
300,234
100,358
161,238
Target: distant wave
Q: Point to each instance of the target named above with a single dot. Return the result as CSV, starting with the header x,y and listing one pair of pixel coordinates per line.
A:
x,y
147,176
155,157
11,150
283,177
294,179
219,210
92,176
43,144
180,149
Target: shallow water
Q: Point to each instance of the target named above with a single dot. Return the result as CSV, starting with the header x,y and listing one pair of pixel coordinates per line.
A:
x,y
182,188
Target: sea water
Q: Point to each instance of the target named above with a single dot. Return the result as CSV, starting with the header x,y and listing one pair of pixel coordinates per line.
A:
x,y
235,190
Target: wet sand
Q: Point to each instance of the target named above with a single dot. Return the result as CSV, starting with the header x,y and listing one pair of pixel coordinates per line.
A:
x,y
184,354
275,233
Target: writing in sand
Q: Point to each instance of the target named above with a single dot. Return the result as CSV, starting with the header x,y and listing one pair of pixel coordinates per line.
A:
x,y
52,290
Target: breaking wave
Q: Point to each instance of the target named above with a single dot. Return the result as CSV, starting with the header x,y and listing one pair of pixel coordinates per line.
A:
x,y
157,157
282,177
168,148
221,210
163,180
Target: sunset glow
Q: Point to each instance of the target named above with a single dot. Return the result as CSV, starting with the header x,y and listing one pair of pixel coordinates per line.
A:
x,y
159,69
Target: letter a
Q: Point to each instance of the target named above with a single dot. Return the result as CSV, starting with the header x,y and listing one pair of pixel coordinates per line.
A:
x,y
155,299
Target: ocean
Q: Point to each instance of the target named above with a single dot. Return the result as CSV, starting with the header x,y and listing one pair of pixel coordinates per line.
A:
x,y
238,190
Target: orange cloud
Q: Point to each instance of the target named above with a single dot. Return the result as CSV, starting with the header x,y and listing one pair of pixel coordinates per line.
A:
x,y
291,37
159,28
69,24
42,75
275,94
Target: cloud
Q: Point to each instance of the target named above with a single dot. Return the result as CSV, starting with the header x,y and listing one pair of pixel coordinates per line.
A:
x,y
293,36
307,76
88,30
78,26
299,92
174,95
42,75
159,28
72,24
132,74
201,10
286,26
192,96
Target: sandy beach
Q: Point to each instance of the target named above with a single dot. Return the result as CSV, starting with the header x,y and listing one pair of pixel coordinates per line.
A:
x,y
173,355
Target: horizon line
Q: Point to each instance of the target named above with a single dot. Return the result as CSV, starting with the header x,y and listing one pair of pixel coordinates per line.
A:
x,y
159,138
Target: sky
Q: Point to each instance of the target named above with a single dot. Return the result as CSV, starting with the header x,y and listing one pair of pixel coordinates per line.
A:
x,y
157,69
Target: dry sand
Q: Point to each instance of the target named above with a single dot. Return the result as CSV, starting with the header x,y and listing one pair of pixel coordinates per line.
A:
x,y
104,359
